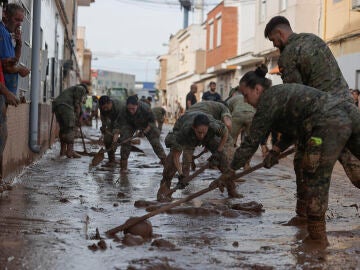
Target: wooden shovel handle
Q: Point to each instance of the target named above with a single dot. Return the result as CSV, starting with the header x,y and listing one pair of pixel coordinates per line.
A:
x,y
136,220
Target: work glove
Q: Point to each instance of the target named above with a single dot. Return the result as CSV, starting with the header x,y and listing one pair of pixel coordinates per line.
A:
x,y
102,130
180,184
223,180
214,159
271,159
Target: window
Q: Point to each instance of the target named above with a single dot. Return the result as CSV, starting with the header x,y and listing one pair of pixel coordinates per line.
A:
x,y
283,5
211,36
218,32
262,10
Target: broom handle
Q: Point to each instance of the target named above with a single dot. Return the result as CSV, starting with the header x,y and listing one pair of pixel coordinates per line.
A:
x,y
134,221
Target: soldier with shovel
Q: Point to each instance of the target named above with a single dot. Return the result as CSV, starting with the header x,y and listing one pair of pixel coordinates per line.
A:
x,y
67,109
110,112
190,130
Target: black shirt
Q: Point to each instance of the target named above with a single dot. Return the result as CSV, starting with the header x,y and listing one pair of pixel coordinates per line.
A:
x,y
190,96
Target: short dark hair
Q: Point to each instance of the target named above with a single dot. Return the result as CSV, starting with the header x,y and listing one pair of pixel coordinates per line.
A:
x,y
12,8
273,23
201,120
212,82
149,98
356,90
104,100
133,100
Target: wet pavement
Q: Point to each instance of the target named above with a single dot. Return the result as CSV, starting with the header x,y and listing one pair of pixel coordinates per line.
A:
x,y
49,219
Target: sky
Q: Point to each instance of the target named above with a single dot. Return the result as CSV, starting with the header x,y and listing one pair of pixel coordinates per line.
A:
x,y
127,36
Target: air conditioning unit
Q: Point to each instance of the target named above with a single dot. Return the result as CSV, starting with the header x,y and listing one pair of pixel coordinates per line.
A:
x,y
356,5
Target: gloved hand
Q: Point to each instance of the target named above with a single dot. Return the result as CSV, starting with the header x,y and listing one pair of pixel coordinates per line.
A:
x,y
102,129
215,158
222,181
271,159
180,184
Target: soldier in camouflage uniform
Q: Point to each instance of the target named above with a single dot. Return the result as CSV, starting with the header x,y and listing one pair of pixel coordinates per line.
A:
x,y
190,130
218,111
67,109
110,113
242,115
306,59
137,115
159,114
321,123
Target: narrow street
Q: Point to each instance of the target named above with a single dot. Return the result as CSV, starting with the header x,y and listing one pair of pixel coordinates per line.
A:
x,y
49,219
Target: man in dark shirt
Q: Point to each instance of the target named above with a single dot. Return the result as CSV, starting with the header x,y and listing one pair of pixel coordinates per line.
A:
x,y
190,97
211,94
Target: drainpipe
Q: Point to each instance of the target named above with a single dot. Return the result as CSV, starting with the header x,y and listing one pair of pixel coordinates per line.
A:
x,y
35,79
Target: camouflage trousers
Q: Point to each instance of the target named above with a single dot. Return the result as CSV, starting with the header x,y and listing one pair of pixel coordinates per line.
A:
x,y
108,140
65,116
153,137
241,123
160,123
317,153
188,152
170,169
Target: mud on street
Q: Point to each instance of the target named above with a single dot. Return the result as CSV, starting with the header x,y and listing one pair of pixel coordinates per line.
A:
x,y
50,218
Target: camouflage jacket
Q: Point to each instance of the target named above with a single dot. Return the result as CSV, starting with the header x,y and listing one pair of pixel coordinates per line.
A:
x,y
111,119
238,105
213,108
159,112
141,119
306,59
71,97
183,134
291,109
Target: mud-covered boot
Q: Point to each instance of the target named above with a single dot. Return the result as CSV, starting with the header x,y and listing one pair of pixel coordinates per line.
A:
x,y
163,194
231,189
4,186
123,166
317,234
70,153
301,218
62,149
111,162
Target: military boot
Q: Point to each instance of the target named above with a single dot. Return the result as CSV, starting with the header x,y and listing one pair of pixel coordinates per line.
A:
x,y
70,153
301,217
111,162
62,149
123,166
163,194
317,233
231,189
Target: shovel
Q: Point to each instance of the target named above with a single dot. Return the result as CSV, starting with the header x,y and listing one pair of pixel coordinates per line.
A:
x,y
132,221
99,156
187,179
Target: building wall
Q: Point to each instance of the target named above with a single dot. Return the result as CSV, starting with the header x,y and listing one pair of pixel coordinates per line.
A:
x,y
229,35
17,153
107,79
343,38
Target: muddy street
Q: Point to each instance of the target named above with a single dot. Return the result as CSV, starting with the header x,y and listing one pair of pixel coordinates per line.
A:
x,y
50,218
